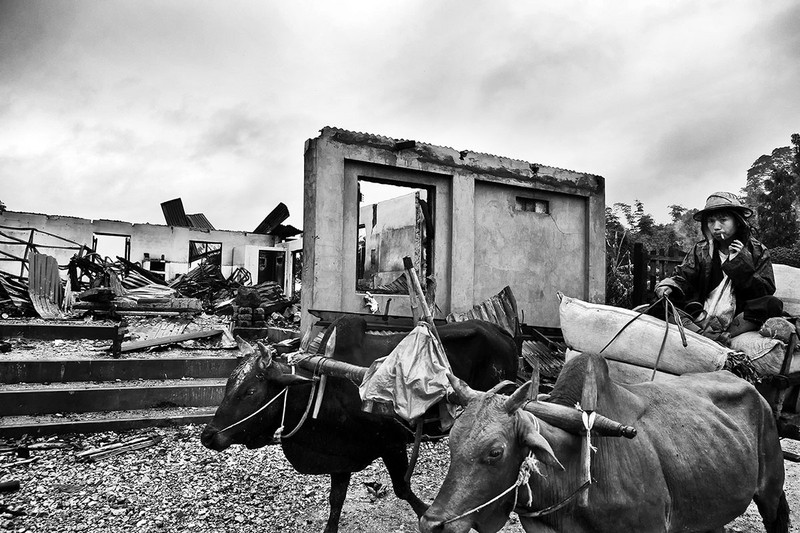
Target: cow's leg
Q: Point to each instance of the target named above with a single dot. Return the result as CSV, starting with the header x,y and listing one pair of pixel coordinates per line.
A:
x,y
396,463
774,513
339,484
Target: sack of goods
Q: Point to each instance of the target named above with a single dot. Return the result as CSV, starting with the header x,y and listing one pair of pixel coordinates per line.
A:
x,y
632,355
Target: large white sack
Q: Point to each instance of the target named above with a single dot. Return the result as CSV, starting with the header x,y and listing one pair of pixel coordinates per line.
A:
x,y
766,353
787,287
588,327
621,372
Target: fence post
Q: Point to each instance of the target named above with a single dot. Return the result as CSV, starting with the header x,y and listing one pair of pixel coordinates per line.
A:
x,y
640,273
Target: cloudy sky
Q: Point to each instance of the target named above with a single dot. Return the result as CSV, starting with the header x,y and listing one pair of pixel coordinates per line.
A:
x,y
108,108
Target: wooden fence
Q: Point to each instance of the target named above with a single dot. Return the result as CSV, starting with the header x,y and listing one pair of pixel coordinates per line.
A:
x,y
651,267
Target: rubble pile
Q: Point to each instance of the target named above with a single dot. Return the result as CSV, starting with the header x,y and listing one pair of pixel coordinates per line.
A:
x,y
120,293
114,289
262,306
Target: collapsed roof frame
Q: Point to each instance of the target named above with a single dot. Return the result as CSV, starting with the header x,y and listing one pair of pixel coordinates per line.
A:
x,y
32,246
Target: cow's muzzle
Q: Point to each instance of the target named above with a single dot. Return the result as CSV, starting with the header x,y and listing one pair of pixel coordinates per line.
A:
x,y
434,524
213,439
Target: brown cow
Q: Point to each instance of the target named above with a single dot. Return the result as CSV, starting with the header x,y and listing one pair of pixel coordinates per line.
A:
x,y
706,447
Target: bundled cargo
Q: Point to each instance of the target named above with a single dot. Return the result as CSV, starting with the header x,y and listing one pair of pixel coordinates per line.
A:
x,y
589,327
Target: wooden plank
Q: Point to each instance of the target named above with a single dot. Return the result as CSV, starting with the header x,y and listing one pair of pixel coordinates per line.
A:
x,y
147,343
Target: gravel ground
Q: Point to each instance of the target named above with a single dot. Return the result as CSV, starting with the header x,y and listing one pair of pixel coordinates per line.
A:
x,y
177,485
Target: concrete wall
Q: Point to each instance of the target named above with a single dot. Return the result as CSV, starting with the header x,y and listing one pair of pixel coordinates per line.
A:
x,y
155,240
391,237
484,240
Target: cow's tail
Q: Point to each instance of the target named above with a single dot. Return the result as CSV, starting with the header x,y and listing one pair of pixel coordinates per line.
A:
x,y
781,522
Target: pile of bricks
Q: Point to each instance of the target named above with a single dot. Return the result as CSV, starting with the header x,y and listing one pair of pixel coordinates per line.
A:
x,y
250,317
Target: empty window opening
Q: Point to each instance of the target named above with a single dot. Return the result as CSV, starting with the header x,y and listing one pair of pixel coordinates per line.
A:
x,y
205,252
395,220
532,205
111,246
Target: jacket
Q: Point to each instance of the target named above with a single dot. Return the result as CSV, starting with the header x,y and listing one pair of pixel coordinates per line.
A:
x,y
750,272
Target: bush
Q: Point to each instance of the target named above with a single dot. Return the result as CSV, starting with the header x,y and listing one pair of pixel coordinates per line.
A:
x,y
783,255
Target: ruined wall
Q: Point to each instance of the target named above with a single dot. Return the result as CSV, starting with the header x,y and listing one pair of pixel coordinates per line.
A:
x,y
155,240
389,238
498,222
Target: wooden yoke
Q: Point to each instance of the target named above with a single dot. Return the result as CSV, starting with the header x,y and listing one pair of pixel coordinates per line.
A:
x,y
571,420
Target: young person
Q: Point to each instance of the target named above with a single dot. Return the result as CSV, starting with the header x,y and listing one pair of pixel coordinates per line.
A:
x,y
725,284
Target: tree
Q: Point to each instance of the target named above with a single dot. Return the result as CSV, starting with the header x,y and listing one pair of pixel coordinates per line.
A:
x,y
627,225
776,214
619,267
687,230
769,180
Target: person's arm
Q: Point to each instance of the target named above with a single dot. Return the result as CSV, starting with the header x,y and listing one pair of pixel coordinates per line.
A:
x,y
750,270
686,278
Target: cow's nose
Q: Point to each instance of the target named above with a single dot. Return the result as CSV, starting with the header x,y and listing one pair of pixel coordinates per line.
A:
x,y
430,525
209,439
206,436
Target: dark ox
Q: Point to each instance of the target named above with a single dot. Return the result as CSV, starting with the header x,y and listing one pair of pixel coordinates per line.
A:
x,y
706,447
344,439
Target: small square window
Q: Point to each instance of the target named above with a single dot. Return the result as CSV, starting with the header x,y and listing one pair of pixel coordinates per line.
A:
x,y
533,205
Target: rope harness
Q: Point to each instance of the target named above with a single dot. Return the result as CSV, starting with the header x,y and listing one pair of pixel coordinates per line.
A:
x,y
285,392
668,307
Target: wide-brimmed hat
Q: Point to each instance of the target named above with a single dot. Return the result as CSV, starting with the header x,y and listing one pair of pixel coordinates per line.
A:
x,y
724,201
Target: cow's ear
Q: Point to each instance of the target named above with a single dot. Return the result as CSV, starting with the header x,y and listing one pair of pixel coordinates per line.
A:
x,y
265,360
517,399
530,437
462,392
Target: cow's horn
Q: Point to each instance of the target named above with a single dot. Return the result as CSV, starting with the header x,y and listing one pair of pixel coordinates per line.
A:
x,y
463,392
518,399
265,361
503,385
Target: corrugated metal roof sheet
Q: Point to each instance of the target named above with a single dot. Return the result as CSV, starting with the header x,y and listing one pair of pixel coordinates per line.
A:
x,y
175,215
284,232
500,309
273,219
199,221
44,286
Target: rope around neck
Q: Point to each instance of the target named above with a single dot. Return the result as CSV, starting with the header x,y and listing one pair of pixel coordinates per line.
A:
x,y
279,433
257,411
285,392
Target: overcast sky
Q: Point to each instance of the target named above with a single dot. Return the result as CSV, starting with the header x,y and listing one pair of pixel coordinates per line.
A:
x,y
108,108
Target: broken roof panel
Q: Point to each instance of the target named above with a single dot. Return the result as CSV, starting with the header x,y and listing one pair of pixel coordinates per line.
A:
x,y
199,221
273,220
284,232
174,213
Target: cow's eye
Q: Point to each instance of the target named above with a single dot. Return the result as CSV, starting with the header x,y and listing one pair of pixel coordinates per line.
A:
x,y
495,453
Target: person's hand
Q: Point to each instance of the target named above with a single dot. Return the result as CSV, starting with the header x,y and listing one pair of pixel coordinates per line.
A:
x,y
734,248
664,290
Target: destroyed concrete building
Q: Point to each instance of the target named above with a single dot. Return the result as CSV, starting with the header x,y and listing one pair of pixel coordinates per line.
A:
x,y
474,223
165,251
